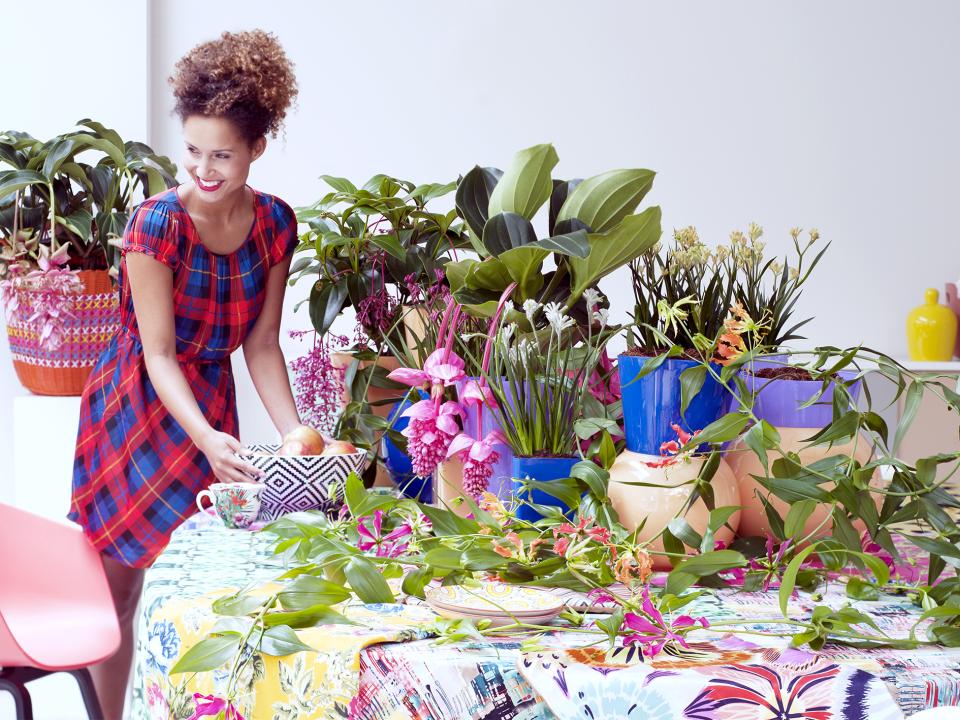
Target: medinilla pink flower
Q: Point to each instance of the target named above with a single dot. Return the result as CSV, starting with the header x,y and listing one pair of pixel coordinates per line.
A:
x,y
207,705
475,393
442,367
432,427
478,458
652,631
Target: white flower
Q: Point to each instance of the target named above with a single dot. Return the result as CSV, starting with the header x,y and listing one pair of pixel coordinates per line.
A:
x,y
602,316
530,308
556,317
592,297
507,331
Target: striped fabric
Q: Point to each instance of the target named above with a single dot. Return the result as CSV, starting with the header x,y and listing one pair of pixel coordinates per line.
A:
x,y
136,472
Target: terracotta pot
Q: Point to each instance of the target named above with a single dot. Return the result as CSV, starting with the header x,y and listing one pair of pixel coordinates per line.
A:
x,y
657,506
744,463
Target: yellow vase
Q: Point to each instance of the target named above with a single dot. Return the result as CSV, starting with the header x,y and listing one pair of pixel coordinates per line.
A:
x,y
931,330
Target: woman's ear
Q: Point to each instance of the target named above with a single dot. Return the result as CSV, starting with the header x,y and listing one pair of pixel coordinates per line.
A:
x,y
259,145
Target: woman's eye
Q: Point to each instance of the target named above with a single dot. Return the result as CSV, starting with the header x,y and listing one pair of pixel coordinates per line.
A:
x,y
223,157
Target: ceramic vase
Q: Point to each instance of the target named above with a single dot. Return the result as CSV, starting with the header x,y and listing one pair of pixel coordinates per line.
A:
x,y
931,330
778,402
543,469
651,405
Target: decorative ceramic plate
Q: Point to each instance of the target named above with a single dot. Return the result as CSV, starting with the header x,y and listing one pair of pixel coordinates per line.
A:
x,y
496,620
494,598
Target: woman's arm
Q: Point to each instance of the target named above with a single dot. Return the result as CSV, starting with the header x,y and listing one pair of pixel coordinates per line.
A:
x,y
151,284
261,350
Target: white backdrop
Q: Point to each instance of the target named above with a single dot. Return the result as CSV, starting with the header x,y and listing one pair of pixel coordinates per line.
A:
x,y
843,116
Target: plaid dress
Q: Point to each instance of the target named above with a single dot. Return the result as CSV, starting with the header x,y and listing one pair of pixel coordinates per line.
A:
x,y
136,472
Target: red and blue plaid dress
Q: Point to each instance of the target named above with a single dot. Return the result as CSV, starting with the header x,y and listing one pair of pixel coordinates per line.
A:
x,y
136,473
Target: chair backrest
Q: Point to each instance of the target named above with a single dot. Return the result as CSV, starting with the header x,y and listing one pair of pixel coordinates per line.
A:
x,y
56,611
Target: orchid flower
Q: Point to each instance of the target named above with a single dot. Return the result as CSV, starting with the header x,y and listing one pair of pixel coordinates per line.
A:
x,y
210,705
652,631
385,545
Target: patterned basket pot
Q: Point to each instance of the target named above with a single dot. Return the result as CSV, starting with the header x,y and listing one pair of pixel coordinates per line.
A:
x,y
302,482
64,370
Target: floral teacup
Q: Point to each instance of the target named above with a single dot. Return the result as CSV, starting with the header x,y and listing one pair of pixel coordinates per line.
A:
x,y
236,504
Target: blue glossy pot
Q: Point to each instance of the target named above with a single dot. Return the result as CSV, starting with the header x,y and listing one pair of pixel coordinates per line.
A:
x,y
542,469
399,464
651,404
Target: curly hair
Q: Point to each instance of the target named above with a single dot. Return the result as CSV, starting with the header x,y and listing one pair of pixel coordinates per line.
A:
x,y
244,77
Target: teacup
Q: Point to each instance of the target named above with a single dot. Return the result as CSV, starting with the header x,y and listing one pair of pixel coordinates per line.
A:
x,y
236,504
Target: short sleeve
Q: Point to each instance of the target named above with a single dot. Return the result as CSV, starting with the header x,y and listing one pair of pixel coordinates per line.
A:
x,y
285,239
151,230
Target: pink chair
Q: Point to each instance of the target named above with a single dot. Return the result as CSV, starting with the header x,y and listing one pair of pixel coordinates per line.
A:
x,y
56,611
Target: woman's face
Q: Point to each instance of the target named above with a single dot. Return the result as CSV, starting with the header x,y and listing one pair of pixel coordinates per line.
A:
x,y
217,157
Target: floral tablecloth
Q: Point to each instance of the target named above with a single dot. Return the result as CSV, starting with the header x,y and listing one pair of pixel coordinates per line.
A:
x,y
386,668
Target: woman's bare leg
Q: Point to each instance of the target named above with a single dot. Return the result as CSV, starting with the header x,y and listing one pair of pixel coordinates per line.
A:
x,y
110,677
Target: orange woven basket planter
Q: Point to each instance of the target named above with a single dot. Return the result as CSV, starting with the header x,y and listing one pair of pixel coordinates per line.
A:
x,y
64,370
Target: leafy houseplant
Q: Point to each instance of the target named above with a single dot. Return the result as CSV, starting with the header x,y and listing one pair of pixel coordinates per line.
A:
x,y
378,249
592,231
60,218
49,186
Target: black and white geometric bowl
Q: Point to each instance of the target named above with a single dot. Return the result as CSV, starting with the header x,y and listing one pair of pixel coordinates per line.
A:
x,y
302,482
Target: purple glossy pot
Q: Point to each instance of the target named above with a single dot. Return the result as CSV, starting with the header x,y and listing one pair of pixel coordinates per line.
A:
x,y
778,401
501,482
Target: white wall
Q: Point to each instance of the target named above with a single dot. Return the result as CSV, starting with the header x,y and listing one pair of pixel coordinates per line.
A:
x,y
79,61
842,116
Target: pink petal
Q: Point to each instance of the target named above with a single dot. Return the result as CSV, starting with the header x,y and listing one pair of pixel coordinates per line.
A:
x,y
459,443
448,425
641,624
422,409
409,376
450,407
480,451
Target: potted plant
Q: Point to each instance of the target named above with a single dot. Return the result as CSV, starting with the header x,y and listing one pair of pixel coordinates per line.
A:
x,y
380,250
538,374
669,379
60,219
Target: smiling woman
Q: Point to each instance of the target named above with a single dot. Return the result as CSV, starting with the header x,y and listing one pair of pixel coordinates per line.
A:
x,y
203,273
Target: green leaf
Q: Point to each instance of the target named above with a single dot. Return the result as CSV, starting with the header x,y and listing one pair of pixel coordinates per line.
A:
x,y
390,243
712,562
910,406
445,522
526,183
473,201
307,617
308,591
691,381
604,200
340,184
572,244
628,240
722,430
367,581
491,274
281,640
237,604
797,517
760,438
208,654
597,479
525,267
13,180
841,429
482,559
608,451
506,231
682,531
326,303
935,547
416,580
444,558
789,579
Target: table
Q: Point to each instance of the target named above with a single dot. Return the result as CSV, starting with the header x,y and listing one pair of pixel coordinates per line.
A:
x,y
387,668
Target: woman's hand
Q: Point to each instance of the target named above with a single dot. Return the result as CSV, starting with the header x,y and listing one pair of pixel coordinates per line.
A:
x,y
222,452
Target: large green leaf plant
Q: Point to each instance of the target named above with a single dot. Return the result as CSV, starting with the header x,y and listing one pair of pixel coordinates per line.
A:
x,y
592,224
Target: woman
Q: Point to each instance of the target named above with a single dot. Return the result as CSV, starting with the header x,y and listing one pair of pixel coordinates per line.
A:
x,y
204,271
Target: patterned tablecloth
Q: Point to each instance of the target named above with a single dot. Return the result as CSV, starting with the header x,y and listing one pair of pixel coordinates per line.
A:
x,y
386,667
